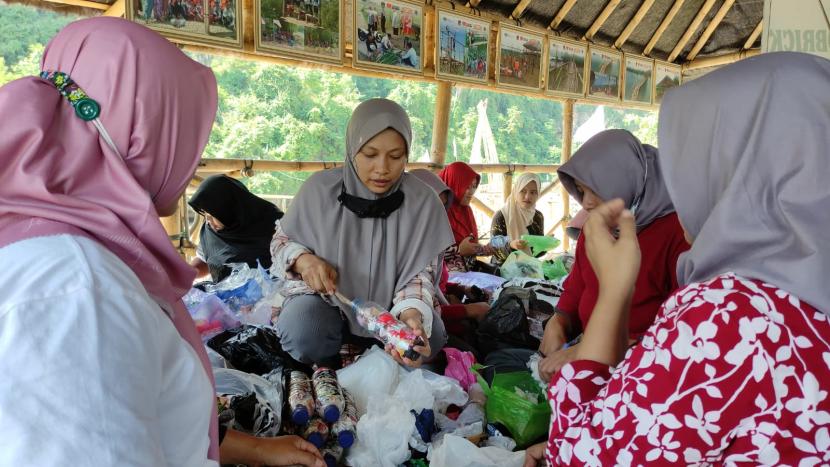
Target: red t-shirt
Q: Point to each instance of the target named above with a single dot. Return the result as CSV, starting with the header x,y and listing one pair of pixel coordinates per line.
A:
x,y
660,245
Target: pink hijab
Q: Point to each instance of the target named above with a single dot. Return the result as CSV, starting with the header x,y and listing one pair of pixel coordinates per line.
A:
x,y
59,176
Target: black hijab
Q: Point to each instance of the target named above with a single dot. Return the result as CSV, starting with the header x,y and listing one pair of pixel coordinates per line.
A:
x,y
249,225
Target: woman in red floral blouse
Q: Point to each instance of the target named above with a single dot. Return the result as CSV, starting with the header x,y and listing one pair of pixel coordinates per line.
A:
x,y
736,369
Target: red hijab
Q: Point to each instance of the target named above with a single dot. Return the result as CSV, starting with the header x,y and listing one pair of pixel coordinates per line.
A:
x,y
458,176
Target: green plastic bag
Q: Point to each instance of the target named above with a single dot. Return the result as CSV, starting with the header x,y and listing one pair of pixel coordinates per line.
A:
x,y
521,264
527,422
540,243
555,269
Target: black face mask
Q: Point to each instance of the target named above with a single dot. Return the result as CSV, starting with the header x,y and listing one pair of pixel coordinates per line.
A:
x,y
363,207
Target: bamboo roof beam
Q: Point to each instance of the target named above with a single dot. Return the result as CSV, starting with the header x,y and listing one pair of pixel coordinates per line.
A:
x,y
520,9
560,15
116,10
601,19
690,31
708,62
710,28
750,41
663,26
632,25
82,4
231,165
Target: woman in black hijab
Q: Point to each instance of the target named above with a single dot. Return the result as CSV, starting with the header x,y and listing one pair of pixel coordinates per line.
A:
x,y
238,226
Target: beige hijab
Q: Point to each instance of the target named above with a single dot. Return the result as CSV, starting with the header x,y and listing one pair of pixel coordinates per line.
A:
x,y
516,217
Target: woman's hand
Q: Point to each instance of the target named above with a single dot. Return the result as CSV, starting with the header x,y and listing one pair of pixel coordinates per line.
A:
x,y
518,244
412,318
535,455
467,247
616,261
317,273
554,362
287,450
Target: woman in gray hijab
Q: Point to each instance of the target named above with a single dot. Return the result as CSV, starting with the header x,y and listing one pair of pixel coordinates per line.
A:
x,y
615,164
736,369
367,230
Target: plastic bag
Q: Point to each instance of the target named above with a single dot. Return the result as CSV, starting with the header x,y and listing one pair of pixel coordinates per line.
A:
x,y
486,282
252,349
383,434
256,400
506,325
373,375
520,264
554,269
458,366
248,292
540,243
209,313
526,421
456,451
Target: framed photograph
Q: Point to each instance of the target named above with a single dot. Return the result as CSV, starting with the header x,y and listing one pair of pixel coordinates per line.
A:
x,y
604,73
389,35
566,67
638,83
215,22
463,45
666,76
519,58
306,28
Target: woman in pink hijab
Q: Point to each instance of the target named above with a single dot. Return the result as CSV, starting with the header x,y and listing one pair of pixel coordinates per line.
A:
x,y
100,361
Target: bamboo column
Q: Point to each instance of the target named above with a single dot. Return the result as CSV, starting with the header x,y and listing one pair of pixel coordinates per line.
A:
x,y
441,124
507,185
567,138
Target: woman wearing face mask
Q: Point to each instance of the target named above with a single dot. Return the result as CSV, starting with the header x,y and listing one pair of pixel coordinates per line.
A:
x,y
367,230
519,215
614,164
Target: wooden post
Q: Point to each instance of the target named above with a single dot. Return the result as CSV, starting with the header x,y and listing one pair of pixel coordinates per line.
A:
x,y
567,138
173,224
507,185
440,126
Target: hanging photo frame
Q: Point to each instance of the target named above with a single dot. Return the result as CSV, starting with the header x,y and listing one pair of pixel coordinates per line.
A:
x,y
566,67
519,58
666,76
638,82
389,35
208,22
310,29
462,47
605,69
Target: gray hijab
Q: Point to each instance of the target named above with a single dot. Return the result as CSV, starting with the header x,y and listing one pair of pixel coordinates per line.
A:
x,y
374,257
745,155
615,164
433,181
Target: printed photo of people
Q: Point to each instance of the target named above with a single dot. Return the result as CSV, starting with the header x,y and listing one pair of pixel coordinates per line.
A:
x,y
309,27
389,33
463,45
187,17
520,58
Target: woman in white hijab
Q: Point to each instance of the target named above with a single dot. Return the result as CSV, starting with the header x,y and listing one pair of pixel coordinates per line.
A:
x,y
736,368
367,230
519,215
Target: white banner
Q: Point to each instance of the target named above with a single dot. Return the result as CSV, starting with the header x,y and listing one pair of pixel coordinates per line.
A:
x,y
797,25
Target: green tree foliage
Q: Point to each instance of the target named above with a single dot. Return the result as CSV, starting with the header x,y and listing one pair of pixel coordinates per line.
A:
x,y
22,26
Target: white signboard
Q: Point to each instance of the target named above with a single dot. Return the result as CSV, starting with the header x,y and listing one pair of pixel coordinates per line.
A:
x,y
797,25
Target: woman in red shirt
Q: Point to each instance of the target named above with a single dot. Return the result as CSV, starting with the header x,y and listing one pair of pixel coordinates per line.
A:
x,y
736,368
614,164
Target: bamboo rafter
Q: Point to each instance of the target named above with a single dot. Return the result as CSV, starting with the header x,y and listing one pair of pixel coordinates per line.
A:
x,y
601,19
632,25
750,41
117,9
710,28
560,15
520,9
690,31
82,3
663,26
719,60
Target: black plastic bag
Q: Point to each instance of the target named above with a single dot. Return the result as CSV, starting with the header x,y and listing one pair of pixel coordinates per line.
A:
x,y
252,349
506,324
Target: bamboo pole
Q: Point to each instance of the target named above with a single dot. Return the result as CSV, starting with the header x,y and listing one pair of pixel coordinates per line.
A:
x,y
173,223
441,123
520,9
690,31
601,19
207,166
116,10
507,186
632,25
567,140
549,188
710,28
479,204
663,26
750,41
560,15
82,4
719,60
552,230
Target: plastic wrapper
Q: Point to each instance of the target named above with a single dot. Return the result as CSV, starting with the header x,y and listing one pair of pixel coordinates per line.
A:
x,y
327,395
248,293
554,269
486,282
383,435
300,397
343,430
455,451
252,349
458,367
540,243
210,314
526,421
520,264
506,325
373,375
256,401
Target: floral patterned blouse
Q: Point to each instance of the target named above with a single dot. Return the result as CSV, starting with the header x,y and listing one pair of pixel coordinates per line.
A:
x,y
733,371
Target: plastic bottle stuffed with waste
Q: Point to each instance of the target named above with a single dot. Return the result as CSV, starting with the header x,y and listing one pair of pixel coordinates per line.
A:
x,y
300,398
540,243
317,432
328,394
332,454
385,327
344,429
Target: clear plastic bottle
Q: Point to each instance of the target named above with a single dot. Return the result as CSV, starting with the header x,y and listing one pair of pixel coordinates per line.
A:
x,y
317,432
332,454
328,394
300,398
344,429
385,327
